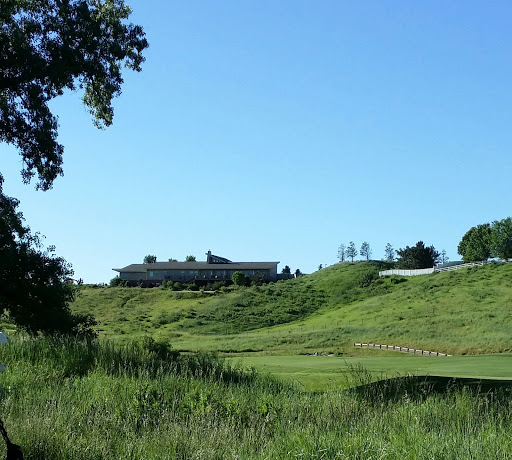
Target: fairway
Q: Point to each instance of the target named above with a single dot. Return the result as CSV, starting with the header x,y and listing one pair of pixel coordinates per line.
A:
x,y
319,373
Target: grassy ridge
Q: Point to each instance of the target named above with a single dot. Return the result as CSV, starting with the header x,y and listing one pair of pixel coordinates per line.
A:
x,y
462,312
88,401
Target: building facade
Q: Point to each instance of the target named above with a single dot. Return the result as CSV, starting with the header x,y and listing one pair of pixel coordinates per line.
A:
x,y
215,268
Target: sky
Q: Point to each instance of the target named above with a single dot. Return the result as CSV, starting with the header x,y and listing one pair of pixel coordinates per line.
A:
x,y
271,130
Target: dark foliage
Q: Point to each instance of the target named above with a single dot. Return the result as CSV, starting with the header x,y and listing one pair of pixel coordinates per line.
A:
x,y
419,256
47,46
476,244
149,259
35,285
239,279
118,282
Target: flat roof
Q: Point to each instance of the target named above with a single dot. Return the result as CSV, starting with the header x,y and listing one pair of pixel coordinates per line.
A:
x,y
142,268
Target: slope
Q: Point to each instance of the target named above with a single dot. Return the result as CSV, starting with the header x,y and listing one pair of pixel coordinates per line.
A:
x,y
463,312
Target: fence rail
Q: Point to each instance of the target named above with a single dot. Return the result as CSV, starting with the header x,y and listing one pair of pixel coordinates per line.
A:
x,y
429,271
414,351
417,272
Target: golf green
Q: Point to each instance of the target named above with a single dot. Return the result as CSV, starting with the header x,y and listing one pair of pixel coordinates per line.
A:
x,y
318,373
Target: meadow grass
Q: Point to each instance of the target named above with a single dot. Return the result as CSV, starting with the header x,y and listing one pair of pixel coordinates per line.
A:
x,y
77,400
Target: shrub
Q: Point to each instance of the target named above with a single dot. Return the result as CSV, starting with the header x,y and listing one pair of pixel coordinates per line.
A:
x,y
115,282
367,278
239,279
191,287
217,285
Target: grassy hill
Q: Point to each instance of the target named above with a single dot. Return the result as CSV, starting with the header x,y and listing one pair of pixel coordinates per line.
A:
x,y
138,399
462,312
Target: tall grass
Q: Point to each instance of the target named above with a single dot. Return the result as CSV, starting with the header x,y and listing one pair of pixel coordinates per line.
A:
x,y
65,399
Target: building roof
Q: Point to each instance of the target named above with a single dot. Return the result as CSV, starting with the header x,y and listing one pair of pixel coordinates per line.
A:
x,y
141,268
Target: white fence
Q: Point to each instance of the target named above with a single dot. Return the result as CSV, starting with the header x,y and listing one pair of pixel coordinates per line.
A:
x,y
414,351
429,271
422,271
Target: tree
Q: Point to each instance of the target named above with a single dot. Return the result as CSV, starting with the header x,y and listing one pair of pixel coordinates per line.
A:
x,y
476,244
341,252
418,256
35,285
389,253
239,278
298,273
286,270
351,251
501,238
149,259
320,267
173,260
365,250
46,47
443,257
190,259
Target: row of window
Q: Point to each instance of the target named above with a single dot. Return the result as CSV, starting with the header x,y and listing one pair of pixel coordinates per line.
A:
x,y
181,274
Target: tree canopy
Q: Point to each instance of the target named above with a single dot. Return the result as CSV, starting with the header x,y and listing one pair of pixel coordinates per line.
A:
x,y
389,252
149,259
342,252
47,47
35,285
365,251
476,244
351,251
190,259
419,256
501,238
487,240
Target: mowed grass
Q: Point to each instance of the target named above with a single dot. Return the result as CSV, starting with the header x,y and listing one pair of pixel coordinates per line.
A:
x,y
463,312
322,373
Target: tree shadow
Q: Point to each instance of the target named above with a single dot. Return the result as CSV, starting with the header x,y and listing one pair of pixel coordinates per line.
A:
x,y
419,387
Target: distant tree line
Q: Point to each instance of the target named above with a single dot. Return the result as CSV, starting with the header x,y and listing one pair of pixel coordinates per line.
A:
x,y
151,259
418,256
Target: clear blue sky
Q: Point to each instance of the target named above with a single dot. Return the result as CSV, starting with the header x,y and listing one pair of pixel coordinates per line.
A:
x,y
276,130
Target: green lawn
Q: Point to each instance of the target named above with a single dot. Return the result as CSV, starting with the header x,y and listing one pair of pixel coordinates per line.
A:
x,y
317,373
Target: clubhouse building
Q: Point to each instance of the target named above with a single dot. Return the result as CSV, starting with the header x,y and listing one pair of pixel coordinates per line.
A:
x,y
215,268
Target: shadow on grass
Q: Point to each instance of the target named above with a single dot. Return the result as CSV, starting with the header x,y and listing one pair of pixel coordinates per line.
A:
x,y
419,387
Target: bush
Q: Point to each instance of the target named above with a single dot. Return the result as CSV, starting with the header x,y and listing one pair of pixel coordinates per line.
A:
x,y
191,287
215,286
239,279
367,278
118,282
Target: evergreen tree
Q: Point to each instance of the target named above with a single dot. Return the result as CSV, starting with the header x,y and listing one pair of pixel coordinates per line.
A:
x,y
389,253
365,251
351,251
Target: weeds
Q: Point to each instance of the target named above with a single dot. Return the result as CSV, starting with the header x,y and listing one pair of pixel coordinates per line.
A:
x,y
82,400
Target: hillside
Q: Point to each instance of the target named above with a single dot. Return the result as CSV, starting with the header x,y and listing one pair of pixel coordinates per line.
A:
x,y
463,312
